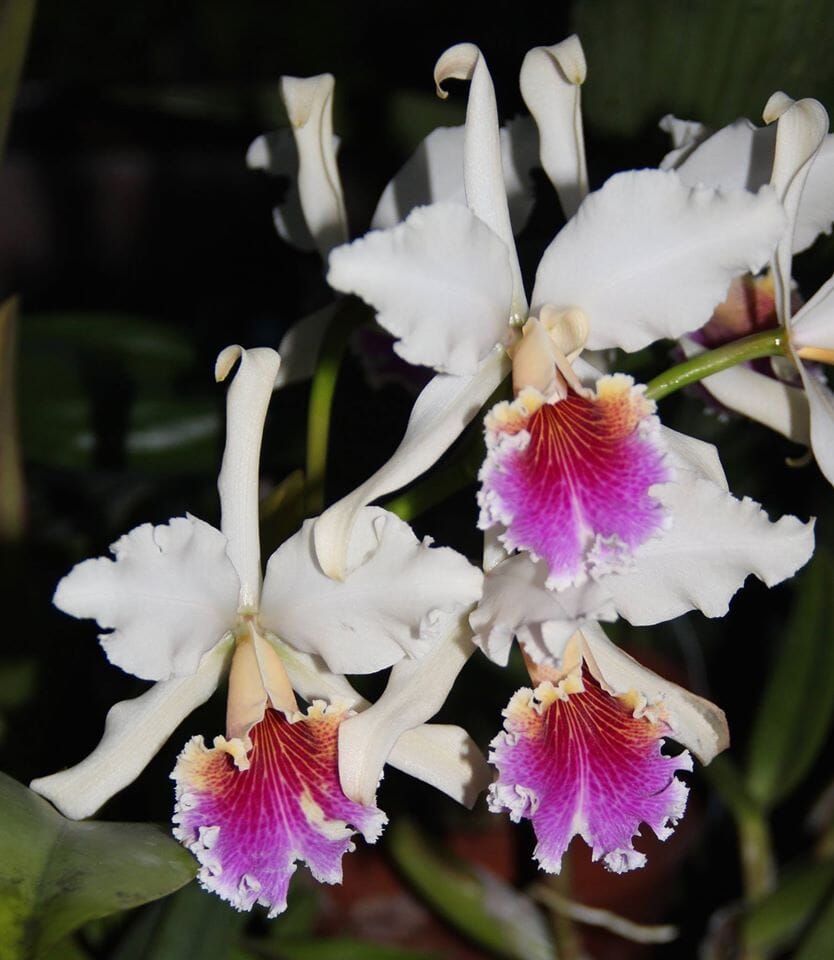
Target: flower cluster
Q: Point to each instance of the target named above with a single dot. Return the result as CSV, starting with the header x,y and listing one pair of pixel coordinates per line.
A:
x,y
591,508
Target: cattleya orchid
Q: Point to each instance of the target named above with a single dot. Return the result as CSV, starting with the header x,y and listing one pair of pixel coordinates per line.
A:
x,y
796,155
182,603
313,215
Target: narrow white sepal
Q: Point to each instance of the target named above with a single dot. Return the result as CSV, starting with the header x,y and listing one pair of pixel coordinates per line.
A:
x,y
768,401
441,412
168,596
309,103
134,731
646,257
483,173
551,79
695,722
396,600
416,690
821,406
246,404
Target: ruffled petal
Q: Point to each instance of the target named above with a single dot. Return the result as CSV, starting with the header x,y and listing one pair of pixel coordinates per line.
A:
x,y
441,412
737,157
483,175
248,828
396,601
440,282
168,596
299,347
646,257
551,82
246,404
415,691
516,603
759,397
685,136
309,103
570,480
134,731
575,760
434,174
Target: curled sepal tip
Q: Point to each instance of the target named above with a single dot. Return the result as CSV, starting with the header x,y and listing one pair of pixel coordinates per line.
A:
x,y
249,827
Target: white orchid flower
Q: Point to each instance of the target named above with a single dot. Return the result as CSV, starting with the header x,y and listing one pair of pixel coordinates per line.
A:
x,y
183,603
581,751
796,155
313,216
644,257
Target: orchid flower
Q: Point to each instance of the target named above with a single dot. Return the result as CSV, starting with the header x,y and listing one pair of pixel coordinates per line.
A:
x,y
796,153
183,603
571,470
313,216
580,752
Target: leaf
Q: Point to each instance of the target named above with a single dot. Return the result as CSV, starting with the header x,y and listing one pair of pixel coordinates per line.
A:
x,y
15,24
775,922
481,906
192,923
798,704
817,943
57,874
12,487
711,61
343,948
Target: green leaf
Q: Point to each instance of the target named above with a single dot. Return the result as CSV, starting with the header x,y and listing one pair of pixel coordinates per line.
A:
x,y
777,920
706,60
15,24
192,923
481,906
817,945
57,874
798,704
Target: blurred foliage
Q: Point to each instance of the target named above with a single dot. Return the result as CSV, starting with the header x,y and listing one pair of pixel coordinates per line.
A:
x,y
15,24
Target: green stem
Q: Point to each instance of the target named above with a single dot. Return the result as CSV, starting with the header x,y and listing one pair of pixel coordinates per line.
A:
x,y
769,343
345,320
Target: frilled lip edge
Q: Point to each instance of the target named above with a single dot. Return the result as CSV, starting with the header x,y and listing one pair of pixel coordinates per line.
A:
x,y
575,760
249,828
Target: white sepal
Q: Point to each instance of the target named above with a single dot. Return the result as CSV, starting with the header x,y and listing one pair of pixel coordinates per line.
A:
x,y
483,174
169,595
440,282
821,406
444,408
309,103
395,602
299,347
551,79
133,733
416,690
646,257
246,404
694,722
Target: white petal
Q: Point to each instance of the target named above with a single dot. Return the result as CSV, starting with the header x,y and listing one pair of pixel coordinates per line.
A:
x,y
695,722
434,174
445,757
483,175
737,157
441,282
445,406
134,731
299,347
395,602
309,104
516,603
246,403
276,153
415,691
714,543
169,595
821,403
761,398
801,128
551,79
646,257
685,136
813,325
816,205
